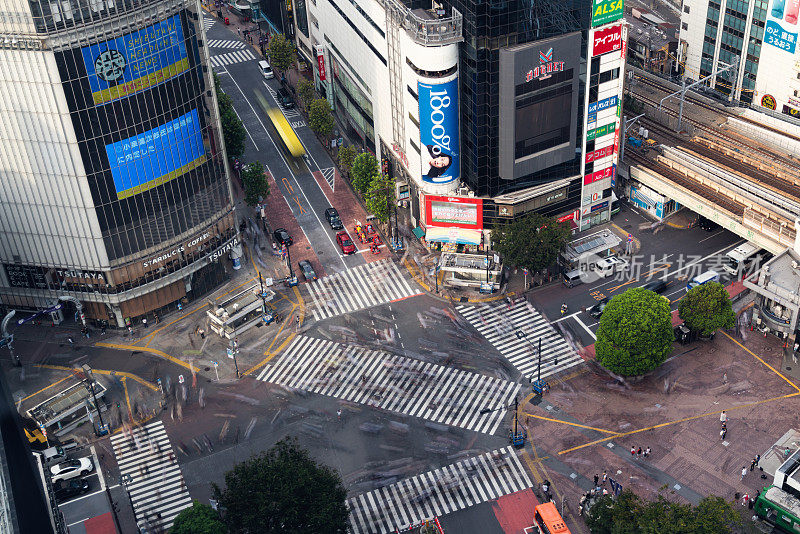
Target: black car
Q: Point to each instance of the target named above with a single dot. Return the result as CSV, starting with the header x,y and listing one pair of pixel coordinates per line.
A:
x,y
597,310
66,489
657,286
282,236
285,99
333,218
707,224
307,270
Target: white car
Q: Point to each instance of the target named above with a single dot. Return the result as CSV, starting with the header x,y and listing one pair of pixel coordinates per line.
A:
x,y
71,469
611,265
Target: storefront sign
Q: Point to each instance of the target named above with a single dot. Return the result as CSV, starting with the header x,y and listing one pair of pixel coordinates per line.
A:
x,y
768,101
459,212
568,217
605,11
598,175
607,40
185,247
398,150
790,111
600,105
217,254
596,133
599,207
546,66
600,153
321,62
36,277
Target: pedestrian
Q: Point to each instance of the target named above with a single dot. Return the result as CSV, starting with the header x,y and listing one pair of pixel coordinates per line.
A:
x,y
758,459
71,341
745,499
753,464
724,378
144,322
130,329
744,472
723,417
158,319
722,433
202,334
647,452
639,453
605,491
339,413
596,479
605,477
633,451
239,31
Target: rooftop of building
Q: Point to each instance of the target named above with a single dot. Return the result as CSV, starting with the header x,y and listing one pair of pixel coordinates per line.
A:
x,y
650,30
780,276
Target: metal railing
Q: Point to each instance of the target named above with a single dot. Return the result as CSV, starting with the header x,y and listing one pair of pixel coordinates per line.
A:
x,y
781,233
425,31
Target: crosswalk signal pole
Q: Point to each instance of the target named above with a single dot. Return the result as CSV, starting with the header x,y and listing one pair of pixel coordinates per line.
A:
x,y
539,372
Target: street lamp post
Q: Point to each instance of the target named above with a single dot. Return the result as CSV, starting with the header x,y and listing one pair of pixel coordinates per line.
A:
x,y
87,372
516,437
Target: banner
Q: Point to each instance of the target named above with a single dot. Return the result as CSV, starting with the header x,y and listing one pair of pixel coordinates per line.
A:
x,y
605,11
321,62
606,40
780,30
438,131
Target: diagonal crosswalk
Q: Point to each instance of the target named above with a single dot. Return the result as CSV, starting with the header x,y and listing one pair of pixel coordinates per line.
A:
x,y
361,287
225,43
289,113
394,383
230,58
399,506
515,332
156,486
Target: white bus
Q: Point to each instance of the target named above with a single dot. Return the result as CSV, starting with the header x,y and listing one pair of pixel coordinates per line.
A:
x,y
704,278
739,259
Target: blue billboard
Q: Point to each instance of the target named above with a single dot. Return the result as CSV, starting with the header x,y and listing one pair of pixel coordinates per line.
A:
x,y
157,156
438,131
137,61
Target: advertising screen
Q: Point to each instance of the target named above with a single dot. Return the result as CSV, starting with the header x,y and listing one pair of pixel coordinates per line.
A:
x,y
157,156
454,211
139,60
605,11
438,131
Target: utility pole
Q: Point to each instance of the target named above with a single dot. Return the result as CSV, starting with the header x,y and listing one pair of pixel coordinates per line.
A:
x,y
87,372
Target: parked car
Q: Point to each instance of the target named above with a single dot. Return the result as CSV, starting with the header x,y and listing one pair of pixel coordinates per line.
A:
x,y
707,224
285,99
333,219
345,243
307,270
71,469
597,310
66,489
611,265
282,236
657,286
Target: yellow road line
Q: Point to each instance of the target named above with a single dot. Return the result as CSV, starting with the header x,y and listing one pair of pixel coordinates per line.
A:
x,y
127,398
669,423
271,355
569,423
109,372
237,287
156,331
44,388
532,467
417,278
156,352
762,361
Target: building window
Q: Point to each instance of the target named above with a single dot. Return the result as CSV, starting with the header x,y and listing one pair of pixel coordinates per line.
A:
x,y
686,9
684,26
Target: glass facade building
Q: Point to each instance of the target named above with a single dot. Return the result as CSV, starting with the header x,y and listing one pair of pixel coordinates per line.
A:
x,y
120,195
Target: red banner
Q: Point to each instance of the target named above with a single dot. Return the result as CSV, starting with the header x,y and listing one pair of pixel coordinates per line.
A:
x,y
600,153
598,175
607,40
321,63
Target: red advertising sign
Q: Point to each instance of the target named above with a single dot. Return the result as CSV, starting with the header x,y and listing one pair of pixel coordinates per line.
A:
x,y
321,62
598,175
568,217
600,153
607,40
616,141
459,212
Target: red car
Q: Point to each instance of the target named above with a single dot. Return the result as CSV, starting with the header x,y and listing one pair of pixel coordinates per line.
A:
x,y
345,243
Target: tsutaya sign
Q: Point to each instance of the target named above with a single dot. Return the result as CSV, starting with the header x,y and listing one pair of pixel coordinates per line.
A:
x,y
605,11
546,66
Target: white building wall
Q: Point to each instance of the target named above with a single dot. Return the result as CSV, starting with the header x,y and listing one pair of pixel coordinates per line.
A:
x,y
46,209
693,35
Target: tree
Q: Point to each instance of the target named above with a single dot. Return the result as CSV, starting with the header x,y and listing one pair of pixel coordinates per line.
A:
x,y
609,516
233,132
715,515
380,196
365,166
320,118
255,184
346,155
281,52
284,491
305,89
532,242
198,519
707,308
635,334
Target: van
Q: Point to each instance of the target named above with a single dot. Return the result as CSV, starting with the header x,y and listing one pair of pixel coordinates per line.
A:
x,y
704,278
609,266
266,70
53,455
573,278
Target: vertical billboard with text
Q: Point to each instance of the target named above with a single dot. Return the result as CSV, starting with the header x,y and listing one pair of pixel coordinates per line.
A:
x,y
438,131
137,61
778,63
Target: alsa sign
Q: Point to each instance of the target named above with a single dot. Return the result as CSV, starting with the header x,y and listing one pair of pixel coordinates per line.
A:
x,y
607,40
546,66
605,11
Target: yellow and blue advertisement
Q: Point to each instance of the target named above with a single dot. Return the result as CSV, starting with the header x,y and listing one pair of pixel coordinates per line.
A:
x,y
137,61
157,156
438,131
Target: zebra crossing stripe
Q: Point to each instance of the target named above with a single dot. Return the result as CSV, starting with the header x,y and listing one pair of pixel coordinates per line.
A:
x,y
230,58
406,503
225,43
394,383
516,332
329,174
156,488
208,22
361,287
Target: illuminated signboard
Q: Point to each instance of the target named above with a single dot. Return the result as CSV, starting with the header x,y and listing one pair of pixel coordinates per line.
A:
x,y
598,175
454,211
438,131
546,66
606,103
605,11
607,40
157,156
137,61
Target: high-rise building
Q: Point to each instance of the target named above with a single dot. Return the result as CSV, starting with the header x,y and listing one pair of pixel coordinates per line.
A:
x,y
113,189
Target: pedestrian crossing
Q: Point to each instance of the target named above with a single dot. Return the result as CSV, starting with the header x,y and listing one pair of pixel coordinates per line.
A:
x,y
394,383
363,286
208,22
289,113
515,332
404,504
329,175
231,58
155,484
225,43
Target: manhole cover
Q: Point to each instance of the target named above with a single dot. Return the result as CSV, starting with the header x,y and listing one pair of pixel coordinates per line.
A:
x,y
712,351
207,368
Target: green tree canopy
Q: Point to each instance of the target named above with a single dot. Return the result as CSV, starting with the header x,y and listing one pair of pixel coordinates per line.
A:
x,y
380,196
283,491
233,132
635,334
255,183
320,118
532,242
346,156
198,519
305,88
281,52
707,308
628,514
365,166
